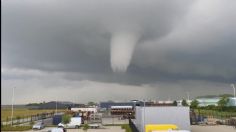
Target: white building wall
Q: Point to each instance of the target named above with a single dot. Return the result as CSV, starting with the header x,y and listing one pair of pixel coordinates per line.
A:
x,y
139,118
163,115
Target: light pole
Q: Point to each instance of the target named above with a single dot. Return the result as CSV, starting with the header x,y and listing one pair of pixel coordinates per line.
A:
x,y
232,85
144,116
56,106
13,94
188,95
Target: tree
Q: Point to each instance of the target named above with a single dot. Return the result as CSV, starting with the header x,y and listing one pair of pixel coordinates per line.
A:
x,y
194,104
223,102
66,118
86,127
175,103
91,103
184,102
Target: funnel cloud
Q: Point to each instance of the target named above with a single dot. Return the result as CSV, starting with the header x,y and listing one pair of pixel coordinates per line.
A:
x,y
122,48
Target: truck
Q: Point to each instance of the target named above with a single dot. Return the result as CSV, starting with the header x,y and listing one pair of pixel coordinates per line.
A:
x,y
75,122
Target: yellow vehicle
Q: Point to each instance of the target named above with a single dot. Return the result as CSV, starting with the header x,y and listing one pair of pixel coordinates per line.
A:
x,y
160,127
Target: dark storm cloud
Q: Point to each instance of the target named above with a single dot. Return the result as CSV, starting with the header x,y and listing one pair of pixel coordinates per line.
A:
x,y
75,36
177,41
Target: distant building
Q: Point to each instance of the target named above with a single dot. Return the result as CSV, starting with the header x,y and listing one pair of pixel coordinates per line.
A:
x,y
108,105
232,101
53,105
122,110
208,101
85,109
214,101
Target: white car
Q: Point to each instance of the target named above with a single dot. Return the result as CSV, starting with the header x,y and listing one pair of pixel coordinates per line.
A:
x,y
57,130
38,125
172,131
74,123
94,125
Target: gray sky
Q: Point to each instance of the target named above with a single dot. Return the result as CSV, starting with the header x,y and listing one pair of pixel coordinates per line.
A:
x,y
88,50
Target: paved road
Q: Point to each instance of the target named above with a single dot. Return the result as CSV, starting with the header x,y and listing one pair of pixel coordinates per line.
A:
x,y
47,121
104,129
116,120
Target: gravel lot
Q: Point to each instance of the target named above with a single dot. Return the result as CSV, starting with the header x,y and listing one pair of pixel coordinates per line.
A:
x,y
217,128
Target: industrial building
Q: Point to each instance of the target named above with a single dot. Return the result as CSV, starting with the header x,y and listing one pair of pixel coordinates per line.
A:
x,y
133,103
124,111
178,116
108,105
232,101
121,110
85,109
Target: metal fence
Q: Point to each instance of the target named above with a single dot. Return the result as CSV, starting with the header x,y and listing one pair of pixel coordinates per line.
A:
x,y
26,119
132,126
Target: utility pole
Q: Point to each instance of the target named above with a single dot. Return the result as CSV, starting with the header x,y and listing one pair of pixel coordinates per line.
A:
x,y
144,115
56,106
188,95
13,94
232,85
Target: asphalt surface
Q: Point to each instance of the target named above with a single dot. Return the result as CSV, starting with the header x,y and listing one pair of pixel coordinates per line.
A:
x,y
103,129
47,121
194,128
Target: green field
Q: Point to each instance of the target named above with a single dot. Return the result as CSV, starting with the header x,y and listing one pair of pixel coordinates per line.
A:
x,y
22,112
15,128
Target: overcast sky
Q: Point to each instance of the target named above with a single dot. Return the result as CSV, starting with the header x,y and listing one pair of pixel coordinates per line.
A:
x,y
87,50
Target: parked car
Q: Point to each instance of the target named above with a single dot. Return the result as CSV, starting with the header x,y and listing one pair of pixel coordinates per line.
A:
x,y
94,125
75,122
39,125
57,130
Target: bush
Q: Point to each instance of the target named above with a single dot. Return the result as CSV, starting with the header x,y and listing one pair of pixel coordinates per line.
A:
x,y
86,127
184,102
194,104
66,119
175,103
126,127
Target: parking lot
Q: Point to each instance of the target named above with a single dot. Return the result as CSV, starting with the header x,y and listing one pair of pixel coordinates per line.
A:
x,y
103,129
194,128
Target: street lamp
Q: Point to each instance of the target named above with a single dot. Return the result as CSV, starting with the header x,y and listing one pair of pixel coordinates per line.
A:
x,y
143,115
232,85
13,90
56,106
188,96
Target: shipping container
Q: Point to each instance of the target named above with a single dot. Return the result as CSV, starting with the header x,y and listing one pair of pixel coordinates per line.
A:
x,y
56,119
